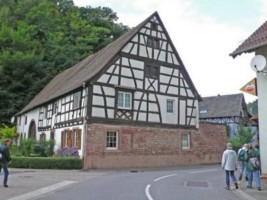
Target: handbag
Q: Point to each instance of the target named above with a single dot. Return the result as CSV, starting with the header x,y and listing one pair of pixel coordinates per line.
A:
x,y
255,162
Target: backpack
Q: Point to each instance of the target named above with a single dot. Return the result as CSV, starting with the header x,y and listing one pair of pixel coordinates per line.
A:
x,y
241,155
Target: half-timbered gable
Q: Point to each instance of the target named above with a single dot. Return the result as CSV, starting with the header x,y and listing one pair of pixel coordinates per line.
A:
x,y
146,82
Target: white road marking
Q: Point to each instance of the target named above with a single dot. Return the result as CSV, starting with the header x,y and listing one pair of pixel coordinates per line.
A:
x,y
42,191
243,195
204,171
164,177
147,192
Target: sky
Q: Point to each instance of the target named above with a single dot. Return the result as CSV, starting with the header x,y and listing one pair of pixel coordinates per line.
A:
x,y
204,33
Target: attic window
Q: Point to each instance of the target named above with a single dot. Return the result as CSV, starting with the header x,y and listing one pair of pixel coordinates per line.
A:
x,y
153,26
76,100
203,111
153,42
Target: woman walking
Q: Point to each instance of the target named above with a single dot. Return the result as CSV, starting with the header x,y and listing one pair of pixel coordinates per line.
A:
x,y
5,160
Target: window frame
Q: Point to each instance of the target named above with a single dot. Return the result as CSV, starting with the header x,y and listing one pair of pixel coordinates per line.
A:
x,y
153,42
186,140
77,100
124,107
108,141
167,108
149,73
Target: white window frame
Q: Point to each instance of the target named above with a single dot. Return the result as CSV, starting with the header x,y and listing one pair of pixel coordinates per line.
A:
x,y
170,100
108,140
124,103
186,141
76,100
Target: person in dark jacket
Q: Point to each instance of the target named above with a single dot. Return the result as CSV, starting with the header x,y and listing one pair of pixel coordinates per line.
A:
x,y
6,158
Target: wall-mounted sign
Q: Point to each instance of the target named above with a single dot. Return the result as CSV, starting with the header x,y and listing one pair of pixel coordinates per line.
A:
x,y
250,87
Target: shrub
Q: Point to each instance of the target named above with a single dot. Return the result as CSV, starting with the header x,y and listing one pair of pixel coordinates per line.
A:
x,y
47,162
30,147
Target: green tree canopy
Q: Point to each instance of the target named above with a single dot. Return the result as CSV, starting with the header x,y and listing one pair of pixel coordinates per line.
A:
x,y
40,38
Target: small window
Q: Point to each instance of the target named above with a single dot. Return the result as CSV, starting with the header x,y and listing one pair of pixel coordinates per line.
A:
x,y
203,111
153,26
77,138
43,137
25,120
153,43
19,120
151,71
55,108
170,106
112,140
76,100
125,100
186,141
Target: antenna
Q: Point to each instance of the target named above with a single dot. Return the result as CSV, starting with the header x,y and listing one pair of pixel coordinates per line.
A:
x,y
258,63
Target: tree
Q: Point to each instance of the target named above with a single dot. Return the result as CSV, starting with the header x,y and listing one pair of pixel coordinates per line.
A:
x,y
244,135
40,38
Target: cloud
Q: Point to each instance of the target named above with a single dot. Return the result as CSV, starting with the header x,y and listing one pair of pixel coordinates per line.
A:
x,y
203,43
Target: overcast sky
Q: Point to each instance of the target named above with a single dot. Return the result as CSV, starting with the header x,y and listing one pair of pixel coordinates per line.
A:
x,y
204,33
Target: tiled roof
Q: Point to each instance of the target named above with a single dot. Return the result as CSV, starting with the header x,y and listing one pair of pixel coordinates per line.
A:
x,y
74,77
256,40
221,106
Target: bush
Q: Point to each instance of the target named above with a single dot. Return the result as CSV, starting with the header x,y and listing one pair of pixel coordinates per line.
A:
x,y
31,147
47,162
244,135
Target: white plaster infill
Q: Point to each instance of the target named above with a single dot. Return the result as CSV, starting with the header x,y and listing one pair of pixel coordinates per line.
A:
x,y
42,191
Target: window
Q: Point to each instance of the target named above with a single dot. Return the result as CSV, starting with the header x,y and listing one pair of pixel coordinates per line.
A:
x,y
153,26
55,107
43,137
25,120
71,138
76,100
186,141
112,140
153,42
203,111
77,138
151,71
170,106
125,100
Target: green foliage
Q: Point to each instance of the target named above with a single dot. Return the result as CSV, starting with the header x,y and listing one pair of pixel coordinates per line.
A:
x,y
47,162
31,147
253,107
244,135
40,38
7,132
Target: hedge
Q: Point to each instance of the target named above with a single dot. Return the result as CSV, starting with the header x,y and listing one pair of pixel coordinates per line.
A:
x,y
46,162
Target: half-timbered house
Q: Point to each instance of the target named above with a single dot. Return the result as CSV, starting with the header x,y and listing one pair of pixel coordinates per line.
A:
x,y
225,109
132,104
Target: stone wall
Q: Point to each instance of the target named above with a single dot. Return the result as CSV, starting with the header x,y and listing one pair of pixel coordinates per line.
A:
x,y
153,147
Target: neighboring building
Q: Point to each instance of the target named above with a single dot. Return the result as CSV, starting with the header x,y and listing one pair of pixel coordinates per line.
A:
x,y
257,43
225,109
132,104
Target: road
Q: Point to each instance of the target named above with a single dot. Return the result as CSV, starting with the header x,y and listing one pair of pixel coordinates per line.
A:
x,y
191,183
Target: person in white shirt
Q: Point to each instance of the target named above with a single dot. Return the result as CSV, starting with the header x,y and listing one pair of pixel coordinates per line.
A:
x,y
229,165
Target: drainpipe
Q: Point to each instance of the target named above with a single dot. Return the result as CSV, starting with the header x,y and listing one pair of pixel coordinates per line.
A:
x,y
84,121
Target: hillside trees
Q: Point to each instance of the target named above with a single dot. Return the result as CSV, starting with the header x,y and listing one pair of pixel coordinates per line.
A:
x,y
40,38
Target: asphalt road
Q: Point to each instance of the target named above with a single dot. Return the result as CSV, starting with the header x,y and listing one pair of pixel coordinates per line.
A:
x,y
191,183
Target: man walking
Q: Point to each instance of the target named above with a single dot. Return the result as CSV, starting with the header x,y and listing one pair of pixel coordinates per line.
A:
x,y
229,165
242,161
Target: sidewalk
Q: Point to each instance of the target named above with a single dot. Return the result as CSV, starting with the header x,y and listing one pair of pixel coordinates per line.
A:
x,y
252,194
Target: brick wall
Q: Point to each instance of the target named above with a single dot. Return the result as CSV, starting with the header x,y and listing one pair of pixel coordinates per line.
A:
x,y
153,147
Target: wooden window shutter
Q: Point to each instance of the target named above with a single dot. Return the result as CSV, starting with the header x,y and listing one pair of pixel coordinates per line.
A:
x,y
70,139
62,139
79,131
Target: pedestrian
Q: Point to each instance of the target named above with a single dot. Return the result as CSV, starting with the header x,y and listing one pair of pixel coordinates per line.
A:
x,y
242,161
253,166
229,165
6,158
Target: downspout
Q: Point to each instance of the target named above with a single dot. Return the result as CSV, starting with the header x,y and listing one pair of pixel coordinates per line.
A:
x,y
84,121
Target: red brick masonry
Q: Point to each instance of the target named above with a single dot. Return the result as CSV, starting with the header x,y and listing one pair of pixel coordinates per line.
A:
x,y
154,147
